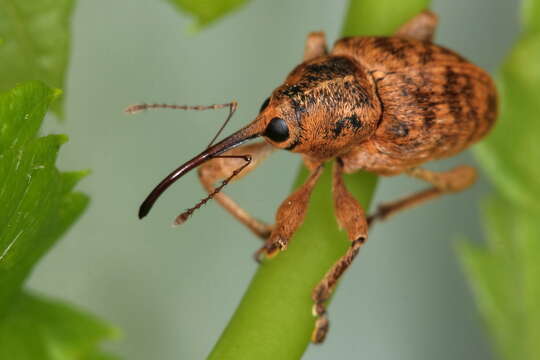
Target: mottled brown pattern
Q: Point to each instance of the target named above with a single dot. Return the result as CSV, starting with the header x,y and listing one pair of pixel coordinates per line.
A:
x,y
384,104
326,99
444,102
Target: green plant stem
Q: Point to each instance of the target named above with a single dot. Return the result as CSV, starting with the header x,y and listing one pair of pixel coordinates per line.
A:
x,y
274,320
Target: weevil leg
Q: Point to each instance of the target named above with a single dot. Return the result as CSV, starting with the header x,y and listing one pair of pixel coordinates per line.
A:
x,y
289,216
221,168
315,45
454,180
420,27
350,216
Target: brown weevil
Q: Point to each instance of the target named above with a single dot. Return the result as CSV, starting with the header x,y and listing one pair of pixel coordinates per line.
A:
x,y
380,104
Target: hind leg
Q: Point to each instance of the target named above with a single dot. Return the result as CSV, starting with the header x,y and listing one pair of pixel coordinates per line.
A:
x,y
421,27
315,45
451,181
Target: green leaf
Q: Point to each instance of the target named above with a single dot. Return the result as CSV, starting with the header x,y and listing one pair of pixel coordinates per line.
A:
x,y
37,205
36,202
207,11
35,45
531,13
21,112
274,320
511,150
38,328
505,274
505,277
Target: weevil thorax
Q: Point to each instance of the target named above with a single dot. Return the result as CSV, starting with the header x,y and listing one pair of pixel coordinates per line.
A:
x,y
324,107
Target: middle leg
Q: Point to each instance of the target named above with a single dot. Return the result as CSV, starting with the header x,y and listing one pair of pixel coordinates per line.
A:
x,y
315,46
350,216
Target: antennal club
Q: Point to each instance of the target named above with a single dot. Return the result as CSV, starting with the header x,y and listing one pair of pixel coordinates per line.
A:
x,y
182,218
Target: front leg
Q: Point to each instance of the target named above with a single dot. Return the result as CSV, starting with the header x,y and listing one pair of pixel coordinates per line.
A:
x,y
221,168
290,215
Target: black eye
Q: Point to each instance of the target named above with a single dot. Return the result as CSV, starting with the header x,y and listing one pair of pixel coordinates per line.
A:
x,y
277,130
264,104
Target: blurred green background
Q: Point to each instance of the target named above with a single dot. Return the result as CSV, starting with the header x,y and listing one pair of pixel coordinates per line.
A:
x,y
172,290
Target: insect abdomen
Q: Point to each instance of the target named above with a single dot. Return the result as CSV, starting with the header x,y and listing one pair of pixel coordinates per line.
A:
x,y
435,103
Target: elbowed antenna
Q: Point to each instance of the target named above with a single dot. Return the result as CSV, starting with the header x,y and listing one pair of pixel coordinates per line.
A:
x,y
232,141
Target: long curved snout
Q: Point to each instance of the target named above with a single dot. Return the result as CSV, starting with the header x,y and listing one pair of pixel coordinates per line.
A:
x,y
241,136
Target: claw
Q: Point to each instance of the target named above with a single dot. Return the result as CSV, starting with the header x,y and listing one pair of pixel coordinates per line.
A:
x,y
321,329
266,251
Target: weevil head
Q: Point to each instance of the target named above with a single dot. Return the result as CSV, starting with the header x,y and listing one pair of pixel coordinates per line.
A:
x,y
324,107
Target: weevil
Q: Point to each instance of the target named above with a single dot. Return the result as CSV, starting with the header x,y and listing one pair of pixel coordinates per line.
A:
x,y
385,105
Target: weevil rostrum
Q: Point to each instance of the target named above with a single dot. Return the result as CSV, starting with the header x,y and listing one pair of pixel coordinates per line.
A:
x,y
380,104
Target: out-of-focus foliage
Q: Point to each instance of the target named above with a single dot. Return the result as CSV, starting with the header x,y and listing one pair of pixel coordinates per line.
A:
x,y
207,11
38,328
35,42
369,17
530,14
37,205
505,274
